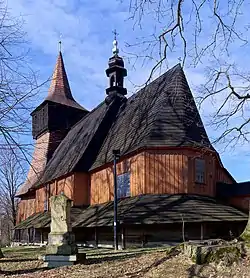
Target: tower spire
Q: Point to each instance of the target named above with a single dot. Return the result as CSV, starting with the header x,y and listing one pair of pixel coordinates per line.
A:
x,y
59,90
116,73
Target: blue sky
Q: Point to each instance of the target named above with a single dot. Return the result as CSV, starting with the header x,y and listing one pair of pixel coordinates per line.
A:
x,y
85,28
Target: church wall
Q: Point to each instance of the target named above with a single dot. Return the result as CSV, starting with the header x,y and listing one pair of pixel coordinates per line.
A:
x,y
66,185
223,176
173,171
241,202
26,208
207,188
154,171
161,171
166,171
81,194
38,163
101,189
40,199
74,186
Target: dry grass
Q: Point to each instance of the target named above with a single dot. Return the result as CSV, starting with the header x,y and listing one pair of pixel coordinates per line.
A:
x,y
157,263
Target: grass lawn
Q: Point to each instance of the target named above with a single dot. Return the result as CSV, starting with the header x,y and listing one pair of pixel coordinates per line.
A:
x,y
106,263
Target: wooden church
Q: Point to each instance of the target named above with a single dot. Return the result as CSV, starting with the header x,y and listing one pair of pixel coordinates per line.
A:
x,y
171,183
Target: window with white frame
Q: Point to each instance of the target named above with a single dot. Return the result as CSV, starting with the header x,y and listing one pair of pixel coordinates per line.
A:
x,y
199,170
123,185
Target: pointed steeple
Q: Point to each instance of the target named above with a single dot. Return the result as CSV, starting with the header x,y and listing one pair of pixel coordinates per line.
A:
x,y
59,90
59,111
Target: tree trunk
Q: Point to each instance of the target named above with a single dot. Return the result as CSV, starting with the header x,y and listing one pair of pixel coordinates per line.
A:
x,y
1,254
13,207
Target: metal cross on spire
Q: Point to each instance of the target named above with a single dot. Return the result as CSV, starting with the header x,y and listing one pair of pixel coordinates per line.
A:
x,y
115,34
60,46
115,49
60,43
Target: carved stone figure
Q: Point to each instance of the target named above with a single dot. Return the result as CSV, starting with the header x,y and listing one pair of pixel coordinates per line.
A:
x,y
61,248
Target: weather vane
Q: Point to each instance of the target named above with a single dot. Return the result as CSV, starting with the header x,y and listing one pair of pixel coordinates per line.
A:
x,y
115,49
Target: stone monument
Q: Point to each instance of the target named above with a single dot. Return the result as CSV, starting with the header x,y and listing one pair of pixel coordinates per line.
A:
x,y
61,249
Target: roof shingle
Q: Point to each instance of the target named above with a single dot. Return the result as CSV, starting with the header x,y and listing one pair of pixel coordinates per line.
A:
x,y
148,209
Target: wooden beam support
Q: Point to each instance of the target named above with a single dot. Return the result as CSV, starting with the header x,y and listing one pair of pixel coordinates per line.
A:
x,y
202,231
96,237
123,238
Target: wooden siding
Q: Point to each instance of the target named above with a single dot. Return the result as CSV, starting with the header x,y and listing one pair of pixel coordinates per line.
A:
x,y
166,172
26,208
209,186
66,185
161,171
75,187
240,202
151,172
155,171
40,199
81,189
223,176
101,189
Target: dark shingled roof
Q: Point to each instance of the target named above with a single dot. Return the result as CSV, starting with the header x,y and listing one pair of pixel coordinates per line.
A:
x,y
59,90
150,209
225,190
161,114
72,148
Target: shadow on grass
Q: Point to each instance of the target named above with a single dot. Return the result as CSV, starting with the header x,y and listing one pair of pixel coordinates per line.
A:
x,y
22,271
196,271
143,271
111,257
23,250
12,260
122,253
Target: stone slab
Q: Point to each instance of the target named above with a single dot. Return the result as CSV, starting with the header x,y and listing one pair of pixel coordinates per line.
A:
x,y
60,258
54,264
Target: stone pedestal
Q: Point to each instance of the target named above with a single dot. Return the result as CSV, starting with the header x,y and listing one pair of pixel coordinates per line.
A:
x,y
61,249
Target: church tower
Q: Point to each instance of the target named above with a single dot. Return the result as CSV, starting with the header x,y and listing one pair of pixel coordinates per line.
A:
x,y
51,121
116,73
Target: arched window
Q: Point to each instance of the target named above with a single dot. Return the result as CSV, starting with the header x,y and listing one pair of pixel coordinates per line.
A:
x,y
112,81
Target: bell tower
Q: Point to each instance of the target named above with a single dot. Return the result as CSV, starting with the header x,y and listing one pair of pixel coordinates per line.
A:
x,y
51,121
116,73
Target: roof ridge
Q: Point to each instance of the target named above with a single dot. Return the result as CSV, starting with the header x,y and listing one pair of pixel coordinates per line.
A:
x,y
155,80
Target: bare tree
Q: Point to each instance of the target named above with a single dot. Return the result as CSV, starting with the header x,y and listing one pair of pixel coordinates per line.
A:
x,y
201,32
11,177
18,85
